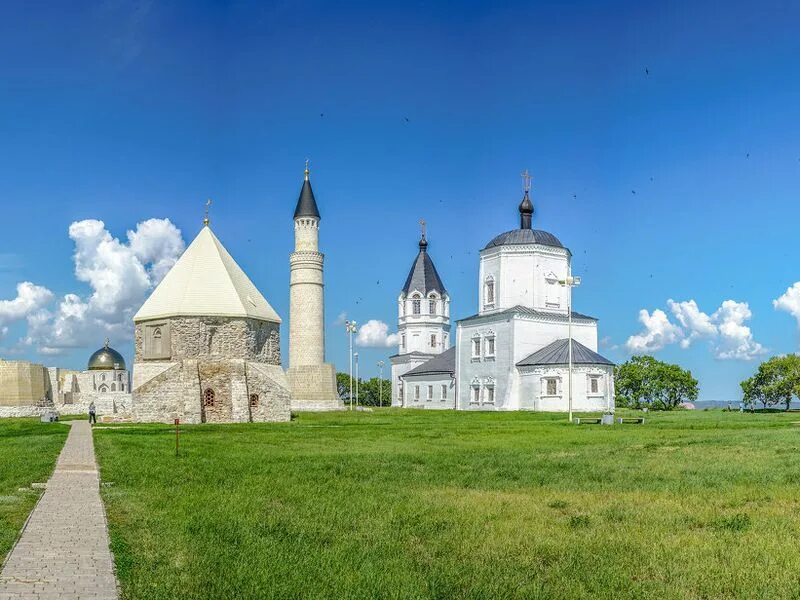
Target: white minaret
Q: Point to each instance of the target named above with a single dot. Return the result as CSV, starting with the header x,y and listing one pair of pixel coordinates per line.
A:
x,y
423,318
313,382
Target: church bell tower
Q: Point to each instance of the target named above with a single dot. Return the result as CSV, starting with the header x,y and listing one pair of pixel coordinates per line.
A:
x,y
312,381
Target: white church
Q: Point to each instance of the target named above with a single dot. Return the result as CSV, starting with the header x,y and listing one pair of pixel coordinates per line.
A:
x,y
514,353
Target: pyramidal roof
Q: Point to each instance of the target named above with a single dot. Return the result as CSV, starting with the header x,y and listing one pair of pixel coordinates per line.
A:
x,y
423,276
206,281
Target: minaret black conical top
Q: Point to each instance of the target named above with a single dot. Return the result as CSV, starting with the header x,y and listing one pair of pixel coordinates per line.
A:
x,y
423,277
525,212
306,204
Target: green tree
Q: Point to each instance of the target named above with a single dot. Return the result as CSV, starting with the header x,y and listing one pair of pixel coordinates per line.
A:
x,y
369,390
776,381
645,381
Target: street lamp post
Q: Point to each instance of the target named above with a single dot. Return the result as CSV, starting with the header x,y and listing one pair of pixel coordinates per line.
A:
x,y
380,383
350,328
569,282
356,357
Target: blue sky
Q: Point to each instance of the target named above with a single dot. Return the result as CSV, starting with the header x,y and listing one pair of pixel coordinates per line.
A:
x,y
125,111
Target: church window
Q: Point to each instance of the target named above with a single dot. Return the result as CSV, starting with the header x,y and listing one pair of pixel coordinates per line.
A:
x,y
430,393
103,377
400,390
253,400
416,305
432,307
489,294
551,384
594,384
476,394
157,346
208,397
489,394
433,340
403,341
444,392
121,387
476,347
113,387
444,341
103,389
490,346
416,392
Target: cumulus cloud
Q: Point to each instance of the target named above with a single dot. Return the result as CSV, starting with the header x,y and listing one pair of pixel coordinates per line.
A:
x,y
735,338
789,301
695,322
120,276
30,299
725,329
658,332
375,334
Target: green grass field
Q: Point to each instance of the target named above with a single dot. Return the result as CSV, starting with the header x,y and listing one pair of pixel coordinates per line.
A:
x,y
455,505
28,453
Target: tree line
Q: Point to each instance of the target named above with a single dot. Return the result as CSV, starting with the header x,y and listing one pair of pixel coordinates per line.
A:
x,y
644,381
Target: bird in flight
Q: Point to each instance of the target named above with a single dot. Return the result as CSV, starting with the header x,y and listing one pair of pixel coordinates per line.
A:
x,y
647,71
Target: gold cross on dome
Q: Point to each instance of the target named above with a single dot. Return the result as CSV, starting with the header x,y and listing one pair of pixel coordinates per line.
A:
x,y
526,180
422,227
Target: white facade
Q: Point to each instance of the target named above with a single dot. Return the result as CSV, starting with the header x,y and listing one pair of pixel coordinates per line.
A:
x,y
513,354
423,321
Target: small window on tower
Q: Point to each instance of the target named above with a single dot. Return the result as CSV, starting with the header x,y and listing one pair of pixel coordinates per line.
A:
x,y
253,400
403,341
489,291
433,341
208,398
416,306
432,307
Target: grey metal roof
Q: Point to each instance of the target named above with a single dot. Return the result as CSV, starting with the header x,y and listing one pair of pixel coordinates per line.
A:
x,y
441,363
531,312
525,236
557,353
306,203
423,276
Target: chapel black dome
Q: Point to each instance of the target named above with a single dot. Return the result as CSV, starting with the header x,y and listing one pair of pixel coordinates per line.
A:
x,y
525,236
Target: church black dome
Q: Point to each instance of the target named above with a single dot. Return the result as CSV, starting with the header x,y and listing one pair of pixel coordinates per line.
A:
x,y
525,236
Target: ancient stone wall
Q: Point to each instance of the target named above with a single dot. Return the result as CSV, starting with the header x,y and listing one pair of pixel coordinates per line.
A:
x,y
215,338
24,384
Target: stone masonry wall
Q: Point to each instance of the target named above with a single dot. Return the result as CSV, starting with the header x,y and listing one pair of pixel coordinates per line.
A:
x,y
216,338
24,384
306,309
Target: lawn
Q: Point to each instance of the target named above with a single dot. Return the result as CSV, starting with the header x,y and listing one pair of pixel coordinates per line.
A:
x,y
412,504
28,453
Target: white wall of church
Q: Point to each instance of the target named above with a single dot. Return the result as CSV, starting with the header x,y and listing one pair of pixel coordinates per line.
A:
x,y
402,364
534,393
523,275
432,392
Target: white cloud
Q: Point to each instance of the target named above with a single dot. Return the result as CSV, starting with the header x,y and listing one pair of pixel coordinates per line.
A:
x,y
658,332
730,338
375,334
120,276
735,338
697,323
790,301
30,299
341,319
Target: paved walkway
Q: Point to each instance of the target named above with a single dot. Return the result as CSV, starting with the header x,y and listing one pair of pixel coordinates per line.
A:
x,y
63,552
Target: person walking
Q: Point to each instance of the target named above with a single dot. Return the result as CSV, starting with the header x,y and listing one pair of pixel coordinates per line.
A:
x,y
92,414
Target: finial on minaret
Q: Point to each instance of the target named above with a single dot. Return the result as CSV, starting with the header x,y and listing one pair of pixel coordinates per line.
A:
x,y
206,220
107,342
306,171
526,206
423,243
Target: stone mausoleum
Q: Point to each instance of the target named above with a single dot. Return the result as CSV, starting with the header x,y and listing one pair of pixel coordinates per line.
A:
x,y
207,344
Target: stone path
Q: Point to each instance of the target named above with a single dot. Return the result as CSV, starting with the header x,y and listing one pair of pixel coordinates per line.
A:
x,y
63,552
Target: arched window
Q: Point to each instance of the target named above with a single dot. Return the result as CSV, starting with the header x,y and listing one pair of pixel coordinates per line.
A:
x,y
253,400
208,397
103,389
488,297
432,304
157,347
416,304
113,387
